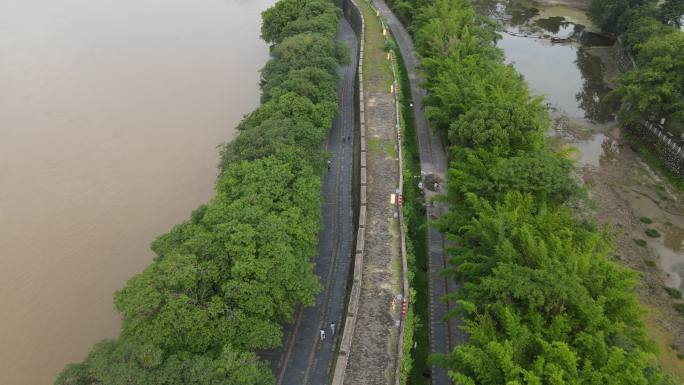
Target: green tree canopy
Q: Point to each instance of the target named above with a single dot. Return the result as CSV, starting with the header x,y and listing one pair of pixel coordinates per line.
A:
x,y
292,17
540,300
655,89
672,12
238,269
117,362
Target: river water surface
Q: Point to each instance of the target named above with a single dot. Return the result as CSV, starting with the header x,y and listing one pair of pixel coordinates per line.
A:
x,y
110,114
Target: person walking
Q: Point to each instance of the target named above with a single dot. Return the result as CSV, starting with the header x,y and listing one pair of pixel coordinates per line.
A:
x,y
332,328
329,164
322,334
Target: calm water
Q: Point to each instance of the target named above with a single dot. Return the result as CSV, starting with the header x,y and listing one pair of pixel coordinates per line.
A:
x,y
560,55
110,114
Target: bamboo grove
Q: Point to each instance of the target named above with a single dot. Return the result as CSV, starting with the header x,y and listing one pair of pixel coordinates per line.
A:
x,y
541,300
224,281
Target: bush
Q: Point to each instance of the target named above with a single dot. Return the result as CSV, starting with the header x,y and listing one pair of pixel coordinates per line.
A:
x,y
679,307
640,242
646,220
674,293
653,233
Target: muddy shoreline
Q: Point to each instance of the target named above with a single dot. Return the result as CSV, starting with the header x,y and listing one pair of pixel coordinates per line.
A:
x,y
628,194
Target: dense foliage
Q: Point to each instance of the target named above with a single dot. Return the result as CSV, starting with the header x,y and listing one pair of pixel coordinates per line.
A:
x,y
541,301
225,280
651,32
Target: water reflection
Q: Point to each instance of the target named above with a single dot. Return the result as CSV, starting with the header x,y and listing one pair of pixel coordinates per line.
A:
x,y
555,54
592,39
553,24
509,13
592,97
521,15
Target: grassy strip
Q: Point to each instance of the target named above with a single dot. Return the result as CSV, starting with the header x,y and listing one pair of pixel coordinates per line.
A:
x,y
416,223
376,69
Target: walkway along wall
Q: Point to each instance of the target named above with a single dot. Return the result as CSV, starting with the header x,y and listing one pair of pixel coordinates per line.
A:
x,y
356,19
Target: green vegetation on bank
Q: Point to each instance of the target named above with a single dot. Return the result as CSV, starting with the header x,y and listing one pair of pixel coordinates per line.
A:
x,y
542,303
224,281
416,232
654,90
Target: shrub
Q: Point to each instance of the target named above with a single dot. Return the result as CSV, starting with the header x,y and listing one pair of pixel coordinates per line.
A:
x,y
674,293
646,220
679,307
651,232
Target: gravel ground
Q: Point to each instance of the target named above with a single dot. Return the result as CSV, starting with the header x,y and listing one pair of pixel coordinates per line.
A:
x,y
374,345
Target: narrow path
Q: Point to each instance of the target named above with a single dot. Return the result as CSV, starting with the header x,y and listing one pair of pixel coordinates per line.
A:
x,y
443,336
373,350
304,358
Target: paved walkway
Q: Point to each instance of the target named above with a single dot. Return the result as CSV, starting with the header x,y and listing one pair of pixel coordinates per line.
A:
x,y
443,336
305,359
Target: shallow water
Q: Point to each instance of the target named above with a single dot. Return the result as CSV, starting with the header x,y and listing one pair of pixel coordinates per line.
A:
x,y
110,114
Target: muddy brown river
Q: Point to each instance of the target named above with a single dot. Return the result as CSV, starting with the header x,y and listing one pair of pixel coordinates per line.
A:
x,y
110,114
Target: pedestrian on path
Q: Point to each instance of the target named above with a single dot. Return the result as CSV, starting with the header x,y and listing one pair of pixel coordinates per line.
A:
x,y
332,328
329,163
322,334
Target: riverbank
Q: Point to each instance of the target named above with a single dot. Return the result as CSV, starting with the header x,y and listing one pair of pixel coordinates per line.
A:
x,y
631,197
